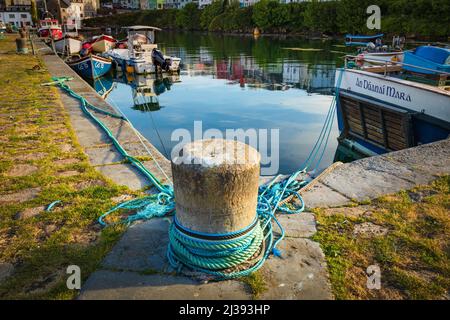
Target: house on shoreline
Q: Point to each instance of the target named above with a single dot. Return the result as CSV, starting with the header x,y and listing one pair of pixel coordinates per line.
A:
x,y
73,12
16,13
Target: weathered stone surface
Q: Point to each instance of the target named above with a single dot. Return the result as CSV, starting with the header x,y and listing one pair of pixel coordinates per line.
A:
x,y
133,286
368,179
302,225
124,174
299,274
368,229
20,170
372,177
322,196
64,162
20,196
349,211
66,147
88,183
69,173
29,212
103,155
142,247
30,156
216,185
122,198
88,134
428,159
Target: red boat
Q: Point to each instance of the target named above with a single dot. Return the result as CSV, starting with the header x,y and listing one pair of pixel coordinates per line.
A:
x,y
50,28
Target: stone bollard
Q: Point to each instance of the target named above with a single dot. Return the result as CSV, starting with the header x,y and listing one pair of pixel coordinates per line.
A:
x,y
21,45
216,186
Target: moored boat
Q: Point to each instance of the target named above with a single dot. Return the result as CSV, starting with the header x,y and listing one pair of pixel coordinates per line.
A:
x,y
141,54
431,60
384,112
68,45
90,66
380,52
103,43
361,40
50,28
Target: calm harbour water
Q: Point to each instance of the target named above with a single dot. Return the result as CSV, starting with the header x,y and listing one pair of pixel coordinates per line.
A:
x,y
232,82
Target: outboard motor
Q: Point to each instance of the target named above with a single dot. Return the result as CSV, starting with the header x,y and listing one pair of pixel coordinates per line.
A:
x,y
158,60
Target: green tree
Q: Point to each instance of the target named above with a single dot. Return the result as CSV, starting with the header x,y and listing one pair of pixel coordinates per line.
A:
x,y
352,16
189,17
262,14
321,16
210,12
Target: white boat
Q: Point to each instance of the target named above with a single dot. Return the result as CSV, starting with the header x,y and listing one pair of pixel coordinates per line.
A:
x,y
68,45
377,51
142,55
380,56
386,108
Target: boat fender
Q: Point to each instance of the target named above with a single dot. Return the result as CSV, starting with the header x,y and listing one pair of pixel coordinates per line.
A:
x,y
359,60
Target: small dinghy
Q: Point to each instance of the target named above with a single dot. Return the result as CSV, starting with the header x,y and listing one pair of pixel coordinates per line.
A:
x,y
361,40
429,59
91,66
103,43
68,45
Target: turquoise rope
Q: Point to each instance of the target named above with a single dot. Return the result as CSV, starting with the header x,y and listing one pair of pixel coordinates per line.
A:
x,y
215,257
148,207
51,205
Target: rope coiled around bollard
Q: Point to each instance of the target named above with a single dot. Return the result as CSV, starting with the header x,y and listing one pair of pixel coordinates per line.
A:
x,y
223,256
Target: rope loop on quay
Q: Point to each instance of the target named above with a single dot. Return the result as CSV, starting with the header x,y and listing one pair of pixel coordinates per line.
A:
x,y
224,256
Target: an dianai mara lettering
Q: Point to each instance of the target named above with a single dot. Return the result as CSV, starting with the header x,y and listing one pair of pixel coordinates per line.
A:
x,y
384,90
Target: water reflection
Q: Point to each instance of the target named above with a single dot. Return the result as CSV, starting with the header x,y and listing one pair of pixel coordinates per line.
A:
x,y
231,82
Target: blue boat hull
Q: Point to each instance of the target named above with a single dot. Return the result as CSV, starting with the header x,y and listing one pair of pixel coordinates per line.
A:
x,y
91,67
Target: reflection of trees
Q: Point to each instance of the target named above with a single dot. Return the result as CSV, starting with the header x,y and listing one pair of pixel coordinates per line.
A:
x,y
264,61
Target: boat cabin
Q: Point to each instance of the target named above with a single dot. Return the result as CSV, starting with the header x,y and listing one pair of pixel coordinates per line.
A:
x,y
48,22
141,40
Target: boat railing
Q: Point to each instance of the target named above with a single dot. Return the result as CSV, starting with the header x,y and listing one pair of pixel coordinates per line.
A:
x,y
387,64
